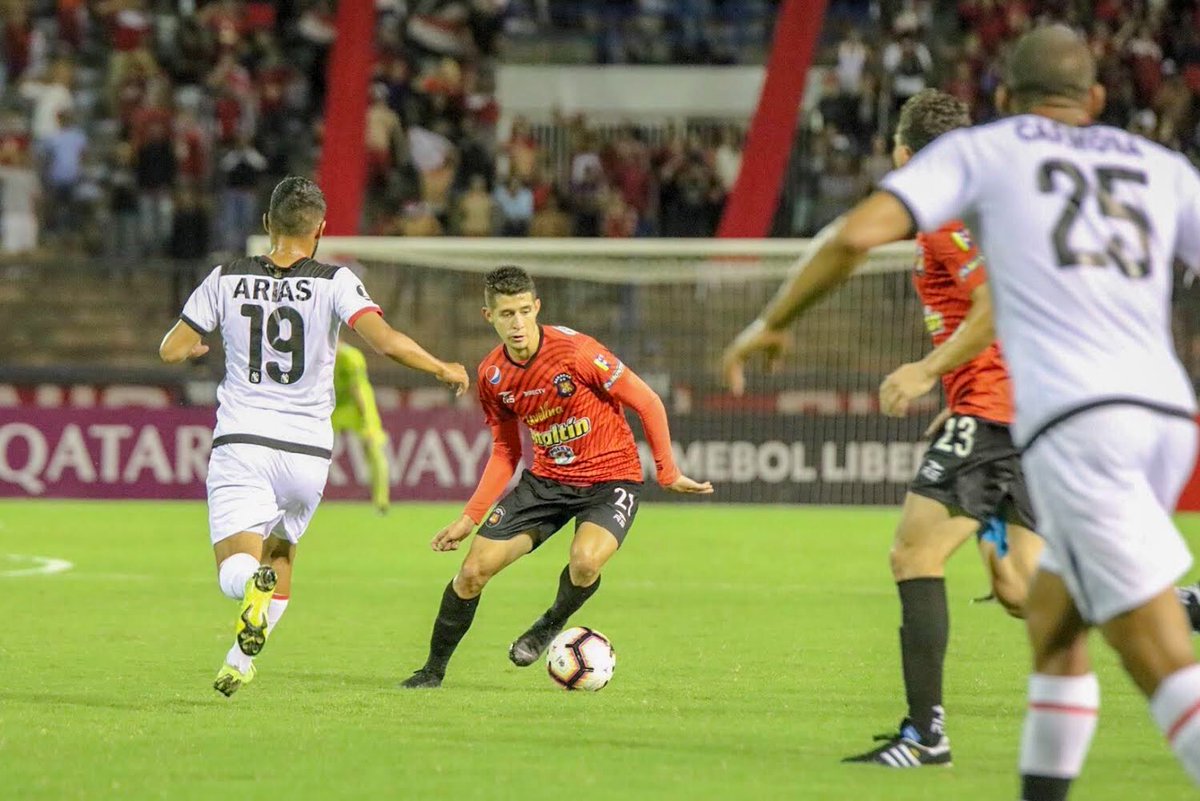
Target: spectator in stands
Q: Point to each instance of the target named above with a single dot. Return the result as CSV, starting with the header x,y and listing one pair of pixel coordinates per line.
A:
x,y
476,209
522,150
631,177
877,163
515,203
384,135
587,195
692,199
242,169
727,160
909,65
475,157
63,151
852,56
189,245
840,186
20,192
551,220
125,239
620,219
415,219
155,168
51,98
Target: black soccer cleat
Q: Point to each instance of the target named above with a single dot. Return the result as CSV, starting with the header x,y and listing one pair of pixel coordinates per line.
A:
x,y
904,749
1189,596
527,648
423,679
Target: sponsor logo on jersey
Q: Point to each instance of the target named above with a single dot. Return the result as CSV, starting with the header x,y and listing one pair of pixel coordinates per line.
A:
x,y
934,322
529,393
601,362
564,384
508,397
561,455
543,414
362,291
493,375
970,267
565,431
496,516
617,371
962,239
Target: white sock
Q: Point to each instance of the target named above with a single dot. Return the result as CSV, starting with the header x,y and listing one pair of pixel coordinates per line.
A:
x,y
234,572
275,610
1176,709
1059,724
237,659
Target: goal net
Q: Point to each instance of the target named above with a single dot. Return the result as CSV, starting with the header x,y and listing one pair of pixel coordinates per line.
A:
x,y
809,432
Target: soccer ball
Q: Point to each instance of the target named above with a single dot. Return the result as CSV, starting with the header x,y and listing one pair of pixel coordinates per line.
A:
x,y
581,659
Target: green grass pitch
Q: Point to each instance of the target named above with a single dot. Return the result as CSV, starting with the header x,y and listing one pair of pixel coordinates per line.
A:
x,y
756,646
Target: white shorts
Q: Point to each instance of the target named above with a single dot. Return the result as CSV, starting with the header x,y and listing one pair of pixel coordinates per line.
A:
x,y
263,490
1104,484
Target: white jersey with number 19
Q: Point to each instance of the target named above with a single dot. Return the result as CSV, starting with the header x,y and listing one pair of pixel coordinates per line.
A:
x,y
280,329
1080,226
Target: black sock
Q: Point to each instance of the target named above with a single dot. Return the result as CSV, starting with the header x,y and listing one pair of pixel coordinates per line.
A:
x,y
569,599
924,632
1044,788
453,620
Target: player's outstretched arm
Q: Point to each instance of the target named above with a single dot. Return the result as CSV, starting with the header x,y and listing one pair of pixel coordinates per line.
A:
x,y
843,246
972,337
181,343
404,350
635,393
505,456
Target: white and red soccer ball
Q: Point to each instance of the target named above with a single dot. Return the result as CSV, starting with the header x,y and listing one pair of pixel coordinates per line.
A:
x,y
581,659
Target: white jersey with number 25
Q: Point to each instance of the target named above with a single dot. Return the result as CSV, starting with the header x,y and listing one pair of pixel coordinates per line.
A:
x,y
1080,226
279,329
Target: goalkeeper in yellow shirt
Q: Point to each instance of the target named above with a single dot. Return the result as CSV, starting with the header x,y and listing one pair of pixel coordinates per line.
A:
x,y
356,412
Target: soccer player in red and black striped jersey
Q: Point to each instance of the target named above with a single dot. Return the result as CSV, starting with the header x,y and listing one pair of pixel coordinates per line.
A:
x,y
569,391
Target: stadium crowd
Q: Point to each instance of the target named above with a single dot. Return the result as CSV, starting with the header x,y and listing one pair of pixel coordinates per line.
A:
x,y
1148,54
148,128
145,128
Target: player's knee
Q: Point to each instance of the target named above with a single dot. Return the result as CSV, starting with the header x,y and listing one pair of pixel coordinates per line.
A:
x,y
585,565
472,577
909,561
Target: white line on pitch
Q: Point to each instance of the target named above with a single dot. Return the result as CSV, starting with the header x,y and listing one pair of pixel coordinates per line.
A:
x,y
42,566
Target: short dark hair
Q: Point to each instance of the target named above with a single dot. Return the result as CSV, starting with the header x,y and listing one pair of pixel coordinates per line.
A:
x,y
506,280
927,115
297,207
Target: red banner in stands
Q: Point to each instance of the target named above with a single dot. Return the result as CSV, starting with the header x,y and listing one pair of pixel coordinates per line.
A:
x,y
755,196
342,173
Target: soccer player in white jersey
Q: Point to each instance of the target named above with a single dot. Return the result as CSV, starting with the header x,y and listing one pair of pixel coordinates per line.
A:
x,y
278,316
1080,224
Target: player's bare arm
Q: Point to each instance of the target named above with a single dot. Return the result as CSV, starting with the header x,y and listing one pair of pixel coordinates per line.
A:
x,y
972,337
501,465
878,220
404,350
181,343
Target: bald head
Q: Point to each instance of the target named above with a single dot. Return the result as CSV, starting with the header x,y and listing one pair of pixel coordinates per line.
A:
x,y
1050,62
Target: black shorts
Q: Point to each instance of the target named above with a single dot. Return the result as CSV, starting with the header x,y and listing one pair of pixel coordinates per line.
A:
x,y
539,507
973,468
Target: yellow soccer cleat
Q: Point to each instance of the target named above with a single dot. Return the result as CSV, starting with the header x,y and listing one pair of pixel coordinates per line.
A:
x,y
229,679
251,628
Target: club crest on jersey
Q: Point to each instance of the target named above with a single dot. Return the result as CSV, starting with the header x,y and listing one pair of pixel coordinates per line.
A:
x,y
493,375
561,455
496,516
962,239
564,384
